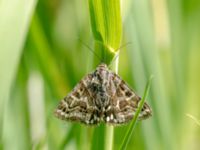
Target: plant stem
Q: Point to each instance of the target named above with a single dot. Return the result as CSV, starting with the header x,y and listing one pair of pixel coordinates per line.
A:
x,y
109,136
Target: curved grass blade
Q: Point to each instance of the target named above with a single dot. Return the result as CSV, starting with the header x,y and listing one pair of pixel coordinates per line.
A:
x,y
133,123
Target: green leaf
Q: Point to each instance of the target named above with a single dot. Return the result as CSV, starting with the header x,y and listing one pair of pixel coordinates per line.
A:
x,y
106,27
133,123
98,140
14,20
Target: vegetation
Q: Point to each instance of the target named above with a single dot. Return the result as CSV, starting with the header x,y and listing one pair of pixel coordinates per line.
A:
x,y
42,59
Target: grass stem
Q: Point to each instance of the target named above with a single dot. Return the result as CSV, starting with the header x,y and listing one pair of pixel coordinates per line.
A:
x,y
110,129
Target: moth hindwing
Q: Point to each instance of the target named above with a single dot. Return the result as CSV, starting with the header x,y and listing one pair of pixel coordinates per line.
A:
x,y
101,96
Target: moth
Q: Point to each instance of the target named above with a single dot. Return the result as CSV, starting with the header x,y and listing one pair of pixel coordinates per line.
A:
x,y
101,96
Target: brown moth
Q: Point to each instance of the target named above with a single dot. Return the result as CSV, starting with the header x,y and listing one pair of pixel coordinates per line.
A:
x,y
101,96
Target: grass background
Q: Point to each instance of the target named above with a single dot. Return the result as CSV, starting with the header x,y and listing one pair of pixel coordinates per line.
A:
x,y
41,60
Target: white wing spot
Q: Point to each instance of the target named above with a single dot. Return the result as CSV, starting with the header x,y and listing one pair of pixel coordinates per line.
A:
x,y
108,119
87,121
111,117
58,111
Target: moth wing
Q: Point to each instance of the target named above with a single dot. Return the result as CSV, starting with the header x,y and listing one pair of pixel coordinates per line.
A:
x,y
123,102
78,105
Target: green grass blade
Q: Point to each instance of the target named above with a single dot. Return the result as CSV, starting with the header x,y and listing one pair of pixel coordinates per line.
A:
x,y
106,26
133,123
14,20
43,52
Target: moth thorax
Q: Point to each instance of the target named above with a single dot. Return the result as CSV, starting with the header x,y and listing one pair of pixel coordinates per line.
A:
x,y
101,100
99,94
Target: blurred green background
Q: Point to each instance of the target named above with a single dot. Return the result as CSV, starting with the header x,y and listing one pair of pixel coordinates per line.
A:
x,y
42,59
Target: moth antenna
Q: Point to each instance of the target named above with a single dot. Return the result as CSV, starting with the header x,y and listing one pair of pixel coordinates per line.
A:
x,y
91,50
128,43
116,56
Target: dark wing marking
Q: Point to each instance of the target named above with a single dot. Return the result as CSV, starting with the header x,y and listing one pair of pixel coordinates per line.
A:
x,y
78,105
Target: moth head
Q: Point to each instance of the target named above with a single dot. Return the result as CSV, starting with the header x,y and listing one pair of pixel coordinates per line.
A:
x,y
102,66
101,73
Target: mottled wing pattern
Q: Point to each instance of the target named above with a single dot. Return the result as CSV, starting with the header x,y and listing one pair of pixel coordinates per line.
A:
x,y
101,96
123,102
78,105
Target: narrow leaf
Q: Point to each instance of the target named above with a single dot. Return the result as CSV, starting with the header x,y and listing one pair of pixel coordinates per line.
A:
x,y
133,123
14,20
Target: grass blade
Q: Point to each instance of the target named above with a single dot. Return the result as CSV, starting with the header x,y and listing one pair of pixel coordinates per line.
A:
x,y
106,26
43,52
14,21
133,123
